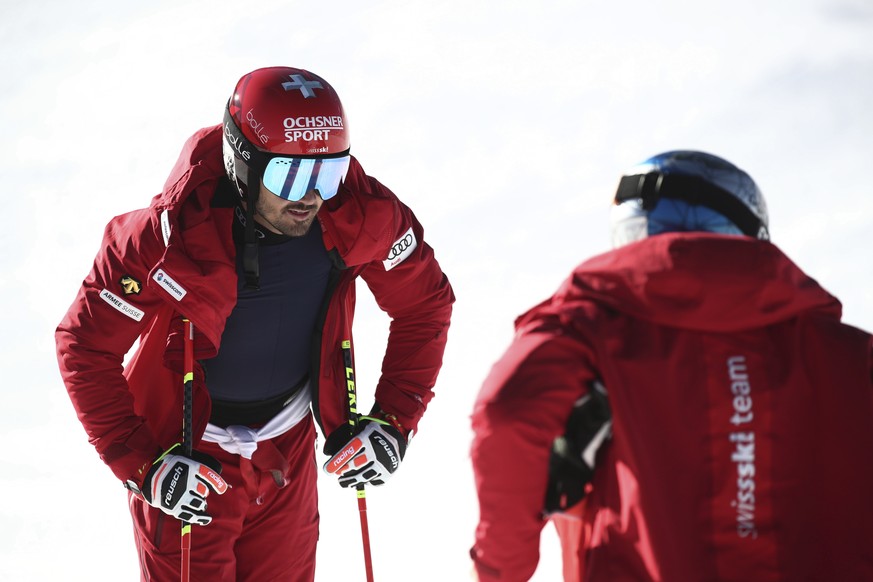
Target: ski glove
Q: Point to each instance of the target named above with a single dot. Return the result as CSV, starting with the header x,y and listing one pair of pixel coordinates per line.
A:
x,y
571,464
179,485
371,454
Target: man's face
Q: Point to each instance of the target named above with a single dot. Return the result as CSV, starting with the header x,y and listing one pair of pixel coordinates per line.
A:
x,y
285,217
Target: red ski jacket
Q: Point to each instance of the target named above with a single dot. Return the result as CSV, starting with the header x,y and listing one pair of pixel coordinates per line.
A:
x,y
177,257
742,420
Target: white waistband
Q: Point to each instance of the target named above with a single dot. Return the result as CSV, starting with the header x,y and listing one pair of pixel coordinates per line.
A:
x,y
243,441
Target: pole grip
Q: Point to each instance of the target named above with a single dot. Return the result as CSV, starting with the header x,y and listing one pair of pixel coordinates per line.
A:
x,y
188,385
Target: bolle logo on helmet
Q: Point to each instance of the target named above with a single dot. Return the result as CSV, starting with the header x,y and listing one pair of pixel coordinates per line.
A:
x,y
299,82
236,143
257,127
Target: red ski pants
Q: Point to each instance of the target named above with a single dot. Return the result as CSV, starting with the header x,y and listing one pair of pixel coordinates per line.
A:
x,y
259,531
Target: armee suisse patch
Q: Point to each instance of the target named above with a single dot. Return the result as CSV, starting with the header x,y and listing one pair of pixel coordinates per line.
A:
x,y
401,249
121,305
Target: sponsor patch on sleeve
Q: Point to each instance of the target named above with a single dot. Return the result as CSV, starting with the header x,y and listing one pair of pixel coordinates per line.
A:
x,y
121,305
165,226
169,285
400,250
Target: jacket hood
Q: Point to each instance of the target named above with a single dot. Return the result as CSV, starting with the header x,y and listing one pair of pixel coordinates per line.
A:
x,y
203,148
699,281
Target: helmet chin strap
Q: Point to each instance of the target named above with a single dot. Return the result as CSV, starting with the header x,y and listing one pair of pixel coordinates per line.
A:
x,y
267,220
250,244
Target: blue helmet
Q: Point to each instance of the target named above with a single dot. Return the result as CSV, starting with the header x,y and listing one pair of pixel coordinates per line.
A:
x,y
684,190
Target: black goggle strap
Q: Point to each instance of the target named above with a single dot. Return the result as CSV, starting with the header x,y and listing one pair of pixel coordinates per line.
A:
x,y
653,186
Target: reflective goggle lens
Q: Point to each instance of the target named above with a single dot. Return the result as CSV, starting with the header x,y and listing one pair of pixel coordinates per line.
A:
x,y
679,216
630,222
292,178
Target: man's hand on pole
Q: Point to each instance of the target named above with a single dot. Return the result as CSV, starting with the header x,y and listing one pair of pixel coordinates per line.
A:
x,y
178,485
371,454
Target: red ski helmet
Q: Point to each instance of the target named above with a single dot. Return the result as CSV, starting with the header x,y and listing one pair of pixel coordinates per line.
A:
x,y
287,113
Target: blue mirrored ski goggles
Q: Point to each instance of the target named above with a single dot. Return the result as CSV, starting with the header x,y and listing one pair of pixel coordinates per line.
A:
x,y
679,216
291,178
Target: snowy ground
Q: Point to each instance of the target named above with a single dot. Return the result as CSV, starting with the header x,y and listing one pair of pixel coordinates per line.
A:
x,y
504,126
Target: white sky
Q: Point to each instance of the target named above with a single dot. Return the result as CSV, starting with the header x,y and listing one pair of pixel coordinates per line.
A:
x,y
505,126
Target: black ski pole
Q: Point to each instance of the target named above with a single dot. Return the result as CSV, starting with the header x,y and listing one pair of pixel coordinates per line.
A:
x,y
187,438
353,420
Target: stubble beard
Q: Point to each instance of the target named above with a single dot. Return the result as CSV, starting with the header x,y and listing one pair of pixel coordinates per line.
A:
x,y
283,223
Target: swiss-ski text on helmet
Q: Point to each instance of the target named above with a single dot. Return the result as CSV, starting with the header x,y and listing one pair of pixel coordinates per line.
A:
x,y
236,143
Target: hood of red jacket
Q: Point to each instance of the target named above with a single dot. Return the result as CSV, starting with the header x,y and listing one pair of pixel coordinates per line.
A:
x,y
698,281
